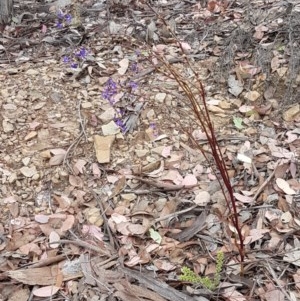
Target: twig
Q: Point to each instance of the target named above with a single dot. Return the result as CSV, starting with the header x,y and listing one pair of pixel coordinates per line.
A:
x,y
83,244
72,146
161,288
81,121
165,186
49,261
275,278
77,140
171,215
112,240
264,184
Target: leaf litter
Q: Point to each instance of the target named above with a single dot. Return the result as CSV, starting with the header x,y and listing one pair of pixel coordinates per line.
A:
x,y
100,192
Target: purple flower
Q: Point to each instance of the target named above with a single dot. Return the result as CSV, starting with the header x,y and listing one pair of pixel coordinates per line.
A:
x,y
133,85
120,124
82,53
74,65
110,91
135,68
152,125
68,18
66,59
59,25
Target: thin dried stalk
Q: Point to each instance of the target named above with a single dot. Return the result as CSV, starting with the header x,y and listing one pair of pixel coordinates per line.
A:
x,y
198,103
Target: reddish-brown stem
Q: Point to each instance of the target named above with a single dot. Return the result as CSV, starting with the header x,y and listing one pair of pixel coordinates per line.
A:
x,y
197,101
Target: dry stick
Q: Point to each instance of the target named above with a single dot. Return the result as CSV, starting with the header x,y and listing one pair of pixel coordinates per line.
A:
x,y
275,278
49,261
72,146
112,240
77,140
171,215
83,244
81,120
264,184
165,186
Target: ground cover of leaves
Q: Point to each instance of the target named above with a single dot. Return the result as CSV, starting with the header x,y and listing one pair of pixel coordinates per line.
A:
x,y
103,194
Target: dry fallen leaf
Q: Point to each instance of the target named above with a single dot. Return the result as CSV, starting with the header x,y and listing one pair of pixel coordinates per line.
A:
x,y
285,186
53,237
46,291
124,63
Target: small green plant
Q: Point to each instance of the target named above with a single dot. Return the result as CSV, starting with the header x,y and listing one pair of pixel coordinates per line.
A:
x,y
189,276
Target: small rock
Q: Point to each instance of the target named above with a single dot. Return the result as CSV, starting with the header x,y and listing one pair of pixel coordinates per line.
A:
x,y
9,106
28,171
12,178
150,114
110,129
32,72
86,105
108,115
102,147
26,161
7,126
39,105
35,176
160,97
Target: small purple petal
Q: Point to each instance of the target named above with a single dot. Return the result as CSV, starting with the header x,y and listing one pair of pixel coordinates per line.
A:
x,y
66,59
68,18
133,85
74,65
135,68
